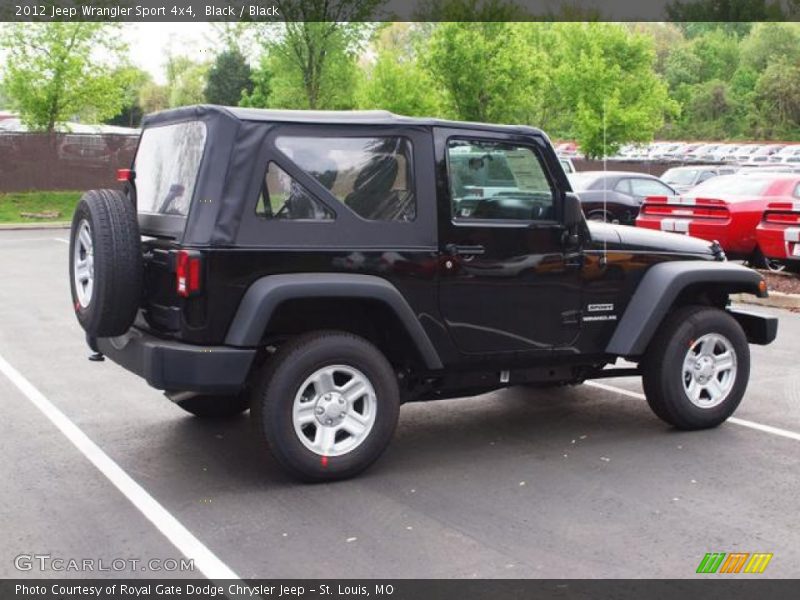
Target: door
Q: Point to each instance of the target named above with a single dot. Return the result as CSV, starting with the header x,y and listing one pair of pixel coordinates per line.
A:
x,y
508,282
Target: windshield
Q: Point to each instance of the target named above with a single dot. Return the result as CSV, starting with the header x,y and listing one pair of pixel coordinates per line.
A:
x,y
166,167
732,185
680,176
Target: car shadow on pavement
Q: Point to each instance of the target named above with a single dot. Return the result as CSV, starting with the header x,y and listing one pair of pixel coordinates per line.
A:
x,y
513,422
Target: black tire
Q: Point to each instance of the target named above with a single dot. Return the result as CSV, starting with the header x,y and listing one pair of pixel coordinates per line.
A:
x,y
600,216
110,307
210,406
759,261
284,374
662,367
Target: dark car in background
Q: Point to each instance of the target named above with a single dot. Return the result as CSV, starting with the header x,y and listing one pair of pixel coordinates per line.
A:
x,y
615,196
682,179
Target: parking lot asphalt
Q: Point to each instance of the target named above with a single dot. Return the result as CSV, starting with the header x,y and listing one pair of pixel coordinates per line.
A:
x,y
578,482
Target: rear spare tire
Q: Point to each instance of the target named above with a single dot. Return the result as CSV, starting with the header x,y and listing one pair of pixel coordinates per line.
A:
x,y
105,263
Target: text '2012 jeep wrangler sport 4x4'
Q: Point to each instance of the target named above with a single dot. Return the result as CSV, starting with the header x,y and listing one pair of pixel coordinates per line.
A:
x,y
323,268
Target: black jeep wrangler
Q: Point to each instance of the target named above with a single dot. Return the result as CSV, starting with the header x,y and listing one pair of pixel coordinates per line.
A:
x,y
323,268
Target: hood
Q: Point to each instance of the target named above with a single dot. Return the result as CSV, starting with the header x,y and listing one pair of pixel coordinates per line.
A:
x,y
623,237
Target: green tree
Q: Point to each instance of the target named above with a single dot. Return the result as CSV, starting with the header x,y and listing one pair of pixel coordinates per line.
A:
x,y
261,85
228,77
153,97
698,16
134,80
400,86
53,72
186,81
311,56
488,70
777,97
768,42
395,81
604,77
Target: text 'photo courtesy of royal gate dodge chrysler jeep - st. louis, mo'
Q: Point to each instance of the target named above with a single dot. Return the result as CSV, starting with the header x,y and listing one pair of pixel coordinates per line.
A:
x,y
322,268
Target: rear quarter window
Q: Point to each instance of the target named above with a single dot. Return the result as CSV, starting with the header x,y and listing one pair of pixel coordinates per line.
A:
x,y
371,176
166,167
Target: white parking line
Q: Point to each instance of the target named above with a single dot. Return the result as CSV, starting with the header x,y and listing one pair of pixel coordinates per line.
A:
x,y
204,560
35,239
735,420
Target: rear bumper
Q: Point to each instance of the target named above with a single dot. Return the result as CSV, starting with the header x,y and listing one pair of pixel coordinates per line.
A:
x,y
779,241
175,366
735,242
759,329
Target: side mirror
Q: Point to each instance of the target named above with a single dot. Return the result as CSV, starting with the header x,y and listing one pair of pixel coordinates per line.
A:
x,y
573,212
573,220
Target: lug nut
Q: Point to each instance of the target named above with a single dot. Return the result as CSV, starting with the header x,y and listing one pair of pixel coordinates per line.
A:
x,y
341,400
320,410
341,415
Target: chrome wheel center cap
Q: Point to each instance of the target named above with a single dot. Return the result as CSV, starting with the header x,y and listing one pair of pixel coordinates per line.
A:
x,y
330,409
704,369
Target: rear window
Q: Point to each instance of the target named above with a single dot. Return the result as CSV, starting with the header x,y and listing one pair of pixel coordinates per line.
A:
x,y
581,183
166,167
680,176
733,185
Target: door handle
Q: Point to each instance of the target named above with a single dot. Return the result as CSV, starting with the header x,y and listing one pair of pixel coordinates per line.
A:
x,y
464,250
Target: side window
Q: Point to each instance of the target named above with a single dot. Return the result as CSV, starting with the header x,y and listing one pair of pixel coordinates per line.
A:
x,y
284,198
624,187
649,187
371,176
496,180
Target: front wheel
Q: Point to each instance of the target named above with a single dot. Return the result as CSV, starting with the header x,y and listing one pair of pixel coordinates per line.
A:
x,y
696,368
327,405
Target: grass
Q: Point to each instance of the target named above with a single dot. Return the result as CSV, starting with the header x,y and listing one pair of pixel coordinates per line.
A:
x,y
48,206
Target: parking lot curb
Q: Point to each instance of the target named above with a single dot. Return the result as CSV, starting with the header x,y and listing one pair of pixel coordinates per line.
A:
x,y
28,226
775,300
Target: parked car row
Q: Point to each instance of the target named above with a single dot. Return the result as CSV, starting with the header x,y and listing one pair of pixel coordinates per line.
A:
x,y
754,216
700,152
753,213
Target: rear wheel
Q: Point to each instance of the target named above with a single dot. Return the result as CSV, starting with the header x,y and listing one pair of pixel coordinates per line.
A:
x,y
600,216
759,261
327,405
696,368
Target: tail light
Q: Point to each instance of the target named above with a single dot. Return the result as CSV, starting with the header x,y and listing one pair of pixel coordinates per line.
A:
x,y
782,218
783,213
188,273
124,175
707,208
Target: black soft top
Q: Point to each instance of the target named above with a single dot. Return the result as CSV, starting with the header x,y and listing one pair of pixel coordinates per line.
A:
x,y
327,117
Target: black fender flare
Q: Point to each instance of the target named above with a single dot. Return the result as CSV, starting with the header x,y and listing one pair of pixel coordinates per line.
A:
x,y
659,288
266,294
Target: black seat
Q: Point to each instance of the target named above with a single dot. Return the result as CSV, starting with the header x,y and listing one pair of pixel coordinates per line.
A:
x,y
372,196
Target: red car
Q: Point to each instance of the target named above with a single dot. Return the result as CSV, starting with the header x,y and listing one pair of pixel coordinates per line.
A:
x,y
778,234
727,209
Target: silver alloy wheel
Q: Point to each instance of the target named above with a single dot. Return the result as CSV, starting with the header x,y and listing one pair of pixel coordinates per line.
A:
x,y
83,264
709,370
775,266
334,410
